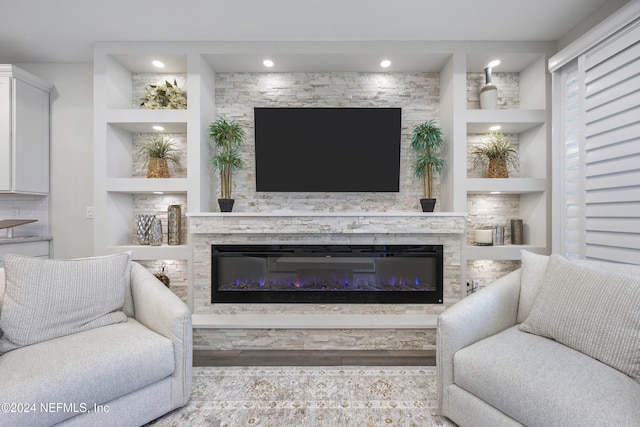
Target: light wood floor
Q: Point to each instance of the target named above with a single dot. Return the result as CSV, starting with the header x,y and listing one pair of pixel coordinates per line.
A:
x,y
314,358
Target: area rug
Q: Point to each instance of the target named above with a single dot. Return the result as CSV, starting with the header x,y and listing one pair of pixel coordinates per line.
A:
x,y
310,396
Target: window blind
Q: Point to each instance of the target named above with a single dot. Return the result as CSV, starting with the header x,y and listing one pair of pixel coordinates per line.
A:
x,y
571,183
609,156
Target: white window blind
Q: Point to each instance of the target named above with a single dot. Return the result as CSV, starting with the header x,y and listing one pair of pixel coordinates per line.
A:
x,y
600,180
571,184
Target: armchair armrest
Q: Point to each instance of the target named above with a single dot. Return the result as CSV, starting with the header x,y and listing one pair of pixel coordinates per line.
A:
x,y
485,313
160,310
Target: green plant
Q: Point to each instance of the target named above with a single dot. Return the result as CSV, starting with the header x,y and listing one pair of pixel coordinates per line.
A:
x,y
227,136
426,141
496,146
159,146
164,96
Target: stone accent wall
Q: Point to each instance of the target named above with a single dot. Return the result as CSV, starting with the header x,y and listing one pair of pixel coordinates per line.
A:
x,y
490,210
318,228
508,89
314,339
153,204
418,94
176,270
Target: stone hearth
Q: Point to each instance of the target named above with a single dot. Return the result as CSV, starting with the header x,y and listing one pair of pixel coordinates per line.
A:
x,y
320,326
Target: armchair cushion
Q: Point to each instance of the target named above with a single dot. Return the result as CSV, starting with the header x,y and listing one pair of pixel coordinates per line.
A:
x,y
590,310
46,299
533,268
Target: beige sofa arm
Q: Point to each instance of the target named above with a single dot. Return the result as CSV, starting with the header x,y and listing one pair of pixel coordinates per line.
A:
x,y
485,313
160,310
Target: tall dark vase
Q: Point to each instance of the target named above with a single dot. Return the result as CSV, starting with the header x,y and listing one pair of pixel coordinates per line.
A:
x,y
428,204
226,205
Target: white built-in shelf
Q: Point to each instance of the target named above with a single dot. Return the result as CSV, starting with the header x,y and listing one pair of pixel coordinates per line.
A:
x,y
502,252
148,252
511,120
506,185
146,185
135,120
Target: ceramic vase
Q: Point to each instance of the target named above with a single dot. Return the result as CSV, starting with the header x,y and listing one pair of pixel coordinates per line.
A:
x,y
142,230
174,219
488,92
155,232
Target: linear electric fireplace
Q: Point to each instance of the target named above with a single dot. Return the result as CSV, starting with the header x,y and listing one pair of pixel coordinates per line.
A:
x,y
327,274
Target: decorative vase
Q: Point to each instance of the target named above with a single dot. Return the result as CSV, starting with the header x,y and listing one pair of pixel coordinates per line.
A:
x,y
144,225
226,205
158,168
155,232
497,169
174,219
517,232
428,204
488,92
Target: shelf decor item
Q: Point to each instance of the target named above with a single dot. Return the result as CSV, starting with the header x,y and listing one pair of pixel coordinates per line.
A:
x,y
498,153
157,151
174,219
164,96
162,276
426,141
488,92
155,232
142,230
227,136
517,232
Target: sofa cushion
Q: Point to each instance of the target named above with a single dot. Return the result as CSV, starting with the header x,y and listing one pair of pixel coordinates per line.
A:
x,y
590,310
533,267
83,369
46,299
538,381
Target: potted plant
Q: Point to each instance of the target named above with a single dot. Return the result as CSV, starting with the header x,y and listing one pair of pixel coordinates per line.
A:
x,y
498,152
157,151
164,96
427,141
227,136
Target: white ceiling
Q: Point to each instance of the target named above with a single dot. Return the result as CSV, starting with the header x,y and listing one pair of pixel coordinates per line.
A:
x,y
65,30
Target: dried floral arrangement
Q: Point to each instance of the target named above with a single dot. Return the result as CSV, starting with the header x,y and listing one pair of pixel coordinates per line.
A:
x,y
164,96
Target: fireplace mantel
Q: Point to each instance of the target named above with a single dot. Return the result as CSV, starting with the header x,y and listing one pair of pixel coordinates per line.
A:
x,y
327,222
336,326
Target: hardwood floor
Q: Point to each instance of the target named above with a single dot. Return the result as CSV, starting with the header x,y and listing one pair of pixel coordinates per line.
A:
x,y
314,358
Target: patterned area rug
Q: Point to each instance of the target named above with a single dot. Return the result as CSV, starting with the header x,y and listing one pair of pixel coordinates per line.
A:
x,y
310,396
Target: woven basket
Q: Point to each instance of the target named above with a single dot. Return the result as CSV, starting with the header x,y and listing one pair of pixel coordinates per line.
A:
x,y
158,168
497,169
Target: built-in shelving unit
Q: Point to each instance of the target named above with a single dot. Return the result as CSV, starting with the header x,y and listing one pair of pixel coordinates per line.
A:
x,y
118,119
522,115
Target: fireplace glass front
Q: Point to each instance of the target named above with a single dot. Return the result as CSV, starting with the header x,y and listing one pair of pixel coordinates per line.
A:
x,y
327,274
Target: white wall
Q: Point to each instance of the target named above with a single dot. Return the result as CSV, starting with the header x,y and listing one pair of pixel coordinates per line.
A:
x,y
71,156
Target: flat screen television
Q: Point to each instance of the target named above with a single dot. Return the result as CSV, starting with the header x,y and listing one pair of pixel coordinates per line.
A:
x,y
327,149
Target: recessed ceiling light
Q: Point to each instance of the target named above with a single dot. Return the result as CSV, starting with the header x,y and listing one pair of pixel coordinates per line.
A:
x,y
495,128
158,64
495,192
493,63
158,192
267,63
158,128
385,63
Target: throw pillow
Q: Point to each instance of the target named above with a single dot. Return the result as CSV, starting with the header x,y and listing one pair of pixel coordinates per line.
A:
x,y
591,310
533,267
46,299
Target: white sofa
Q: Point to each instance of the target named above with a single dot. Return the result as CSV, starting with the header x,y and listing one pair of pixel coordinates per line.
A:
x,y
493,373
123,374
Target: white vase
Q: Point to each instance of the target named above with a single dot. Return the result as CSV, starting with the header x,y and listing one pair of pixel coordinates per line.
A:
x,y
488,92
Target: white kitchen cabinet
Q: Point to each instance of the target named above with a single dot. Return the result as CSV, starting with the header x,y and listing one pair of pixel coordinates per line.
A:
x,y
24,132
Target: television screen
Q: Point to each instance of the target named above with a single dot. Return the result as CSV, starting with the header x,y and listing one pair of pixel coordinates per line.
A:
x,y
327,149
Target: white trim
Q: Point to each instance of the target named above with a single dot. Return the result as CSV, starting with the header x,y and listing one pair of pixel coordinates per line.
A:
x,y
619,19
